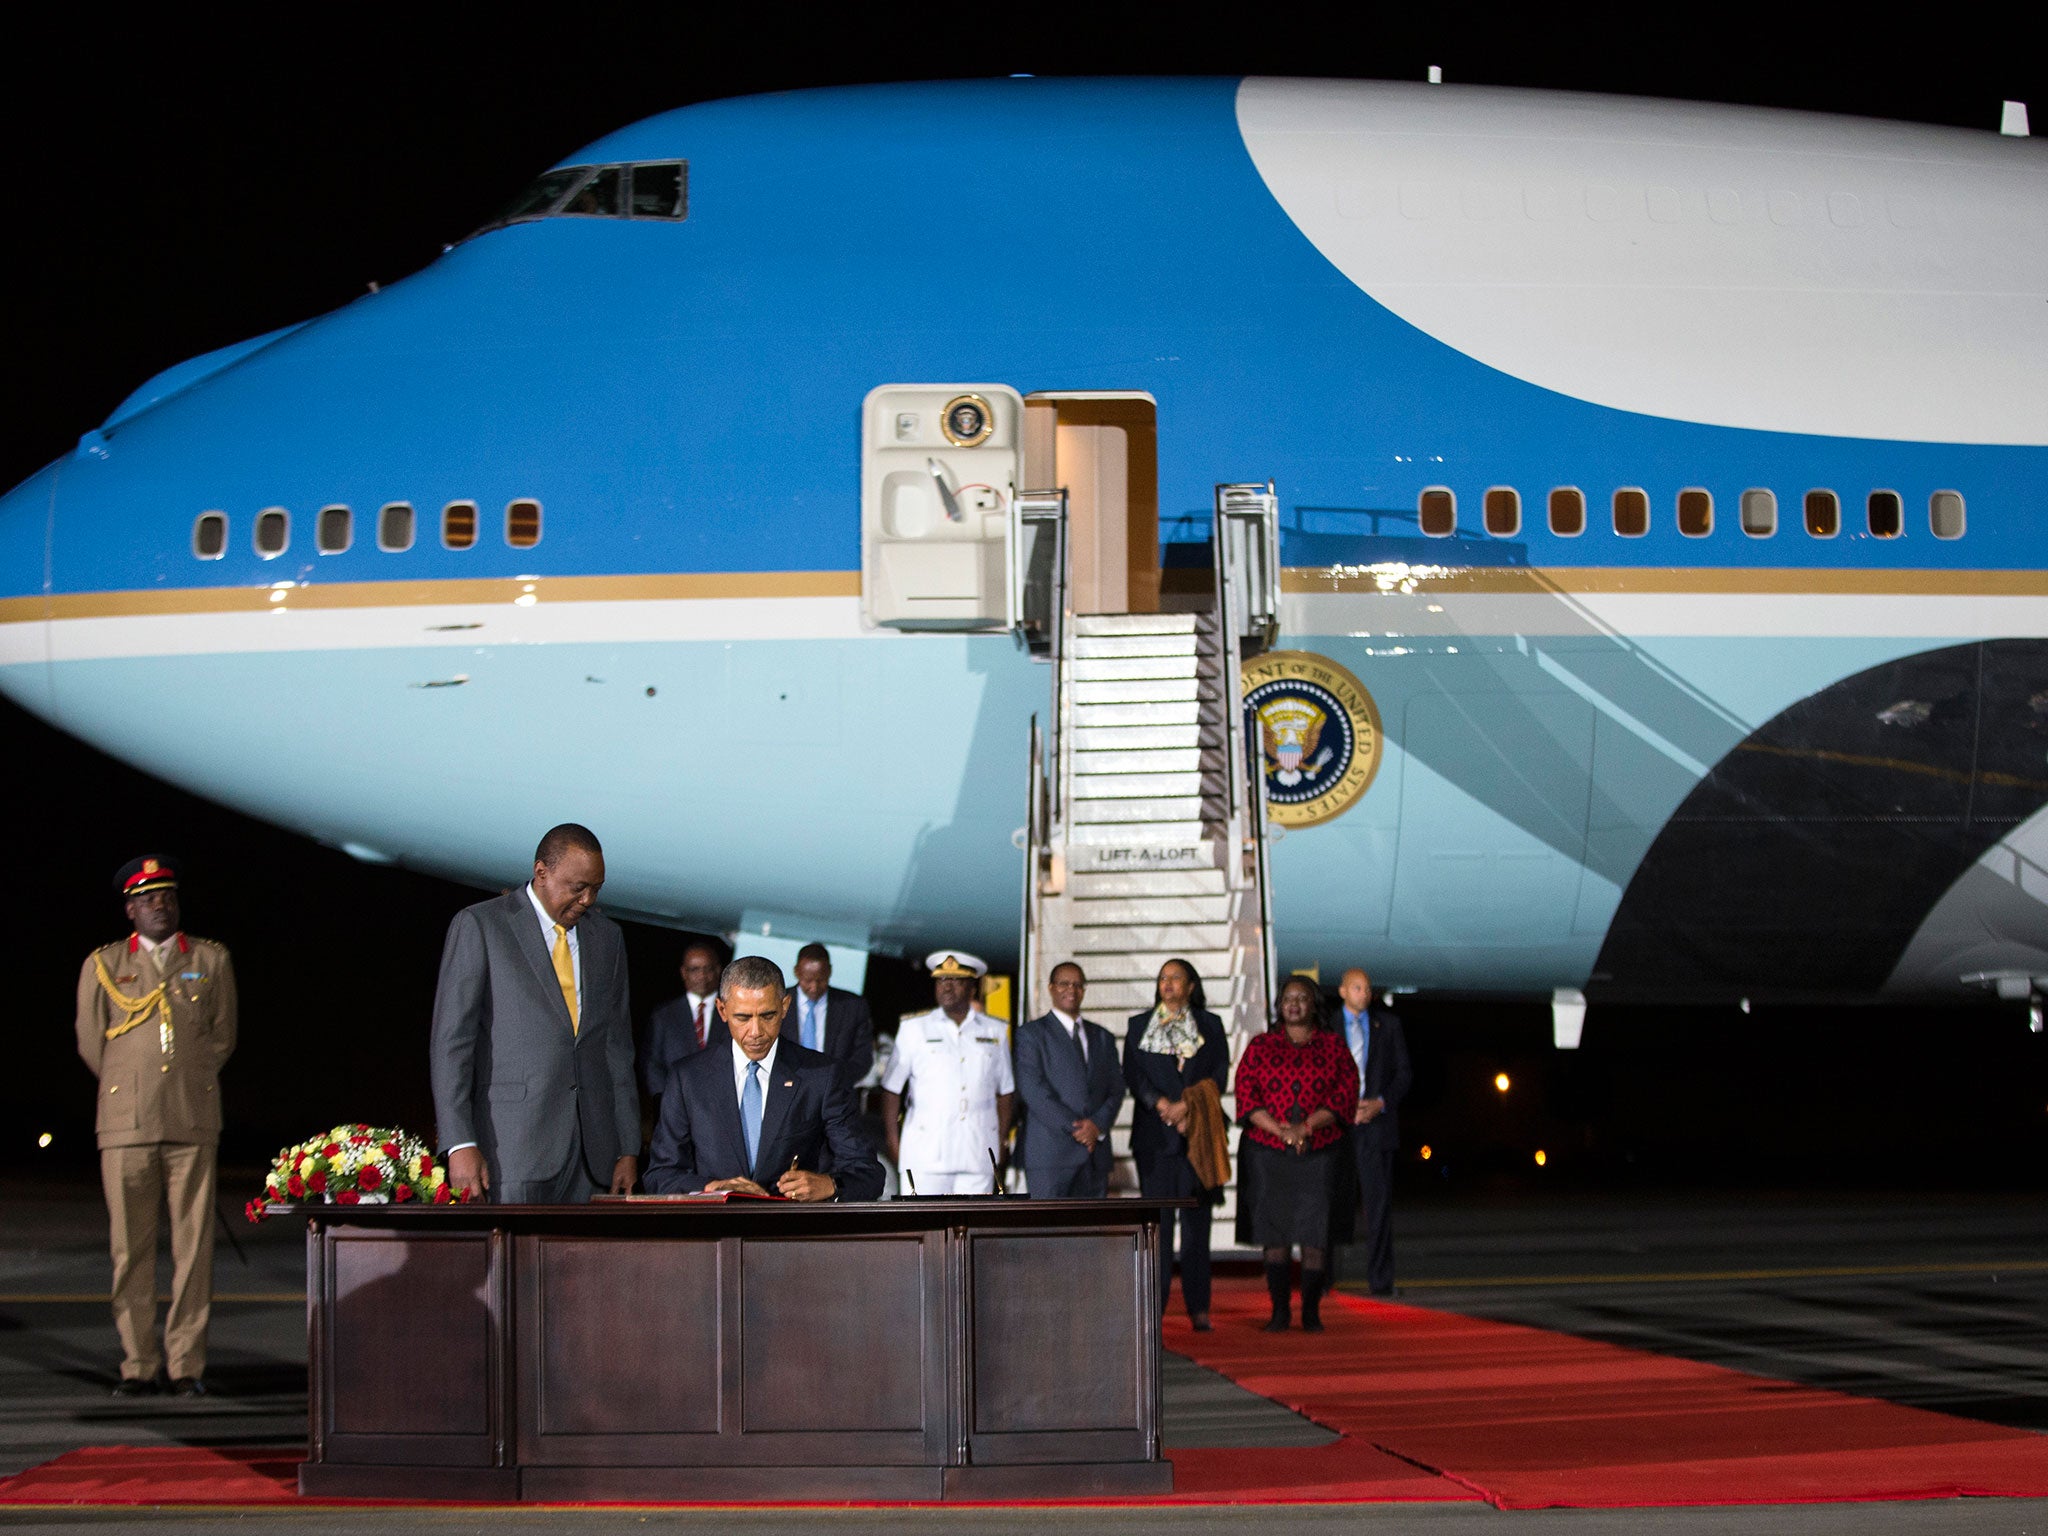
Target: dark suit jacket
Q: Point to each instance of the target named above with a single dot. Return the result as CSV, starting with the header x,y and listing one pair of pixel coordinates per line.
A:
x,y
509,1074
1153,1076
1056,1093
671,1037
1387,1076
806,1114
849,1032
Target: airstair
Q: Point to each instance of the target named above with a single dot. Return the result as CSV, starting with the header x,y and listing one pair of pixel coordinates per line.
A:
x,y
1146,833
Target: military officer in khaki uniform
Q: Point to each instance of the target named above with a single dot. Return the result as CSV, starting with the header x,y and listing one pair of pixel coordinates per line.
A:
x,y
156,1021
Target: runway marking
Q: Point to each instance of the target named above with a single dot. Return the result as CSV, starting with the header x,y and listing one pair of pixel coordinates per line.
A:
x,y
1680,1277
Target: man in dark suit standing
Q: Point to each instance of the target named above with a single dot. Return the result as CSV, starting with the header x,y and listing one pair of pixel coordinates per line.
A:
x,y
1072,1084
763,1114
830,1019
532,1046
684,1025
1380,1047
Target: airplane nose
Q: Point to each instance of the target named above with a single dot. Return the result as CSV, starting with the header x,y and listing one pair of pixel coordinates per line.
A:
x,y
26,515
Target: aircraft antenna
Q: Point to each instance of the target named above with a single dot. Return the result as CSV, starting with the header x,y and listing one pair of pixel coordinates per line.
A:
x,y
2013,124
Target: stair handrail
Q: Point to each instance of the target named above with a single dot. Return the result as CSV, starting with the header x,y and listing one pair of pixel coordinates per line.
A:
x,y
1034,844
1247,523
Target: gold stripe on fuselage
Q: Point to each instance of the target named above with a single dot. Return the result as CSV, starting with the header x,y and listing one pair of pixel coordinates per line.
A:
x,y
1301,580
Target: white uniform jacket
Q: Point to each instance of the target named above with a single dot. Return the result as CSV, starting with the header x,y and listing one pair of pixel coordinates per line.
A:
x,y
954,1073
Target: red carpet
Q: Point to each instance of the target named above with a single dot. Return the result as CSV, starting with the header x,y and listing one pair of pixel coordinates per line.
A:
x,y
1529,1419
1432,1406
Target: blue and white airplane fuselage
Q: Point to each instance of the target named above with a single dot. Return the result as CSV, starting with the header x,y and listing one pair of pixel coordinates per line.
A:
x,y
1762,752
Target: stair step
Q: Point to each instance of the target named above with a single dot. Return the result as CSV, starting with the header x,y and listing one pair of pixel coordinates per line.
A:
x,y
1136,833
1125,786
1146,857
1154,760
1136,736
1210,964
1091,647
1137,623
1124,997
1123,668
1142,690
1174,938
1126,911
1153,884
1180,711
1167,808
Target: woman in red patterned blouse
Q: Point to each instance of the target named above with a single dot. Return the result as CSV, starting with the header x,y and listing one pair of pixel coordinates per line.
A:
x,y
1297,1086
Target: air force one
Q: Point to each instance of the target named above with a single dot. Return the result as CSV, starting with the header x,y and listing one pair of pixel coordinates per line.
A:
x,y
1623,522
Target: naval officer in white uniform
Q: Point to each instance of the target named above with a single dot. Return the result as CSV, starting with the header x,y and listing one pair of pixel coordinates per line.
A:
x,y
955,1062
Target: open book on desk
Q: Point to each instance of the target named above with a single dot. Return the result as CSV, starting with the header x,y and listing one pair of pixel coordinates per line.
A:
x,y
701,1196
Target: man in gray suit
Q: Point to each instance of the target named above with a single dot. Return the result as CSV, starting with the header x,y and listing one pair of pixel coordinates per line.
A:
x,y
533,1045
1072,1084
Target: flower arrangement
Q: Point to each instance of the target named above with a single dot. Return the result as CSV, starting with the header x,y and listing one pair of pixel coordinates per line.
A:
x,y
355,1165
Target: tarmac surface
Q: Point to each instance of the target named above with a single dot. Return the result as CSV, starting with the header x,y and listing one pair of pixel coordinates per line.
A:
x,y
1936,1301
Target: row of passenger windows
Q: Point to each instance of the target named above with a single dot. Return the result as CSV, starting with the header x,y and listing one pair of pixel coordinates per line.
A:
x,y
1884,513
397,528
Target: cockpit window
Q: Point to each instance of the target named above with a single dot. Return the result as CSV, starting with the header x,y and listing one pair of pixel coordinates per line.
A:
x,y
658,191
597,197
655,189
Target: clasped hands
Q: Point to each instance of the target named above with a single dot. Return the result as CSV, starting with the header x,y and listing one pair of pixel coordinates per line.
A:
x,y
1368,1111
1174,1112
793,1185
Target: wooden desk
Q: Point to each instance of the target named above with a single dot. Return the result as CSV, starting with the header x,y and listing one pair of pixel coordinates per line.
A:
x,y
911,1349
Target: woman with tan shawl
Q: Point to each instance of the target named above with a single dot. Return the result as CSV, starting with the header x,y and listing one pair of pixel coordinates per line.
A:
x,y
1176,1062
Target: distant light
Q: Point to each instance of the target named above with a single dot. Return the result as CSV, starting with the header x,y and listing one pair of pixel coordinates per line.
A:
x,y
1426,1151
1500,1081
1541,1157
45,1139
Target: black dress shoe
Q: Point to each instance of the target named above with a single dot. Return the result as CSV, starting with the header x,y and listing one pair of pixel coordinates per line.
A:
x,y
188,1386
135,1386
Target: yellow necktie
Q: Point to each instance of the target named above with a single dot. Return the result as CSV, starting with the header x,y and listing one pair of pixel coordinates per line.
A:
x,y
565,973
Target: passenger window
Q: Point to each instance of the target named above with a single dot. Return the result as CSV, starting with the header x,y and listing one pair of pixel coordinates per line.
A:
x,y
1438,509
659,191
1887,514
1631,512
1503,511
1759,514
273,532
335,531
1568,511
395,527
1823,514
1695,513
597,197
1945,514
522,524
458,524
210,535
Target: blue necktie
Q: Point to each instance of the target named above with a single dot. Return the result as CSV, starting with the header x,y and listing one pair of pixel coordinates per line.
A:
x,y
810,1025
1361,1041
750,1113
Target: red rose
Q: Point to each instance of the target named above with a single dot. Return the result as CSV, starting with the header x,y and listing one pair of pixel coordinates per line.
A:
x,y
391,1150
369,1178
295,1186
317,1183
332,1149
253,1210
348,1197
401,1192
359,1141
426,1164
443,1195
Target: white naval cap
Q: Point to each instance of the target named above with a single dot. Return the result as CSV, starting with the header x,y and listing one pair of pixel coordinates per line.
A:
x,y
955,962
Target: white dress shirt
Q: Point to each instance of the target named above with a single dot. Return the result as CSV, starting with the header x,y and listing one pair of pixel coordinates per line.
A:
x,y
740,1063
547,942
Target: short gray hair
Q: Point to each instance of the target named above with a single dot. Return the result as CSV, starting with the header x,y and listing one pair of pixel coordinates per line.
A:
x,y
751,973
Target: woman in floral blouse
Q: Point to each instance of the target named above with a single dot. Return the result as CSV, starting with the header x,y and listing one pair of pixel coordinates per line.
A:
x,y
1173,1044
1297,1086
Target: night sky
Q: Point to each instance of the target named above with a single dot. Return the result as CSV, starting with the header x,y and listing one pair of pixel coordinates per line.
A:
x,y
182,184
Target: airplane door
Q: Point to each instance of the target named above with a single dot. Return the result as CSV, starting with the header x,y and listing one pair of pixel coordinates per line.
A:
x,y
1102,448
939,473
